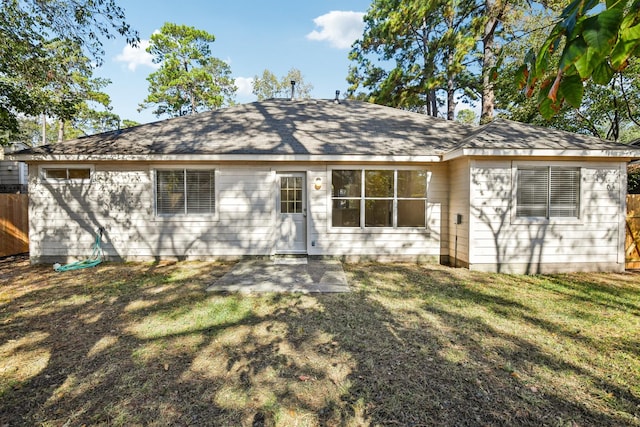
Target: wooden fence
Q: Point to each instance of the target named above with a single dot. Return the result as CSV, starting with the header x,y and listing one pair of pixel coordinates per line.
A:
x,y
14,224
632,243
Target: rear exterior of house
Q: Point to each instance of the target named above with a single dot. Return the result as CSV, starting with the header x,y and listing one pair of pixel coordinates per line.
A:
x,y
583,231
234,210
353,181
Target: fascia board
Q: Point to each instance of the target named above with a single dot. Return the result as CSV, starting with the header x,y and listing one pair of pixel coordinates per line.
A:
x,y
530,152
224,158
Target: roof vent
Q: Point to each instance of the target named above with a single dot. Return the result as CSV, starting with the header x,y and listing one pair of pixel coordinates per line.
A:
x,y
336,100
293,89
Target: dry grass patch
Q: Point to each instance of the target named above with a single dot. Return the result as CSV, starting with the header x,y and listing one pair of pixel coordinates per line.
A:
x,y
145,344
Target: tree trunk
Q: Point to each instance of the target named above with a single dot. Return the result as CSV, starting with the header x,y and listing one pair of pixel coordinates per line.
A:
x,y
44,129
451,75
489,59
451,102
433,101
451,89
193,103
60,130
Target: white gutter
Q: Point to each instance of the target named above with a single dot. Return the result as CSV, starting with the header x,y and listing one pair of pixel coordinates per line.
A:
x,y
533,152
224,158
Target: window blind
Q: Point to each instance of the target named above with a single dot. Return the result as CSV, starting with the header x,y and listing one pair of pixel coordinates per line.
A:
x,y
185,192
548,192
200,192
564,192
532,196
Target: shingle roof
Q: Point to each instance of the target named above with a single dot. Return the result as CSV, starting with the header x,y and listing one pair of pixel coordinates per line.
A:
x,y
507,134
279,127
319,128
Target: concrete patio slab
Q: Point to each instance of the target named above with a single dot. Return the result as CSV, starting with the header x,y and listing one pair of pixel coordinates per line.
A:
x,y
283,275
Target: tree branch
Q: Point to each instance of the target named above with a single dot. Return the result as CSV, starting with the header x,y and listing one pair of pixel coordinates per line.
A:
x,y
626,101
589,124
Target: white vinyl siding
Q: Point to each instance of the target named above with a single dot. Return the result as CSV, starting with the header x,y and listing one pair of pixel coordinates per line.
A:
x,y
185,192
63,219
458,180
548,192
502,241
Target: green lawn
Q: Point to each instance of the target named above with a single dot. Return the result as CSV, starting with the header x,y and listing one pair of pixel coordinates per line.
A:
x,y
145,344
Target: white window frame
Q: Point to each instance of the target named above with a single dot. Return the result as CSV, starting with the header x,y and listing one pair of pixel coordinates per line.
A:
x,y
515,219
185,217
362,198
43,173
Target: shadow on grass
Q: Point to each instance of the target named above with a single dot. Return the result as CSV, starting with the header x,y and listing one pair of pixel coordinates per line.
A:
x,y
140,344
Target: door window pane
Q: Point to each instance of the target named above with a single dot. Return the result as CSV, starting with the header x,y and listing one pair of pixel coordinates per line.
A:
x,y
291,194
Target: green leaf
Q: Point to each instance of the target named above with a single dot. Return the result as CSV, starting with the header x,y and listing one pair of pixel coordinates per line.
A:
x,y
631,33
572,90
585,64
575,49
621,53
602,74
522,76
547,109
588,5
543,93
612,4
601,30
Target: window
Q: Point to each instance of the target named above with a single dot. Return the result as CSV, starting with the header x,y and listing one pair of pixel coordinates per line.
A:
x,y
185,192
65,174
378,198
548,192
291,194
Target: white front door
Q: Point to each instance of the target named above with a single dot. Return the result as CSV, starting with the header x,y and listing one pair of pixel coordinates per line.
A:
x,y
292,214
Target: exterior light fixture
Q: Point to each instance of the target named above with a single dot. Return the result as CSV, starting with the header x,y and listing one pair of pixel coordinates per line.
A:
x,y
317,183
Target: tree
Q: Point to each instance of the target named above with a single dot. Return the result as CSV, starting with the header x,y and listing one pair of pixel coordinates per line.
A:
x,y
597,42
428,47
268,86
400,36
610,111
467,116
28,29
494,11
189,79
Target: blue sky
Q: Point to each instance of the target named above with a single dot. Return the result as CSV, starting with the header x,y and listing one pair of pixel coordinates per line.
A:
x,y
311,35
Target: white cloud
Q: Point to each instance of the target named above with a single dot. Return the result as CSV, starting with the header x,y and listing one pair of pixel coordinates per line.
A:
x,y
244,85
340,28
136,56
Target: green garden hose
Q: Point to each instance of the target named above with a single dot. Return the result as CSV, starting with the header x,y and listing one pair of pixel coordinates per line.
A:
x,y
92,261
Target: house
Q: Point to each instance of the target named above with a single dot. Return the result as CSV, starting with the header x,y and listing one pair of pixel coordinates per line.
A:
x,y
341,179
13,174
